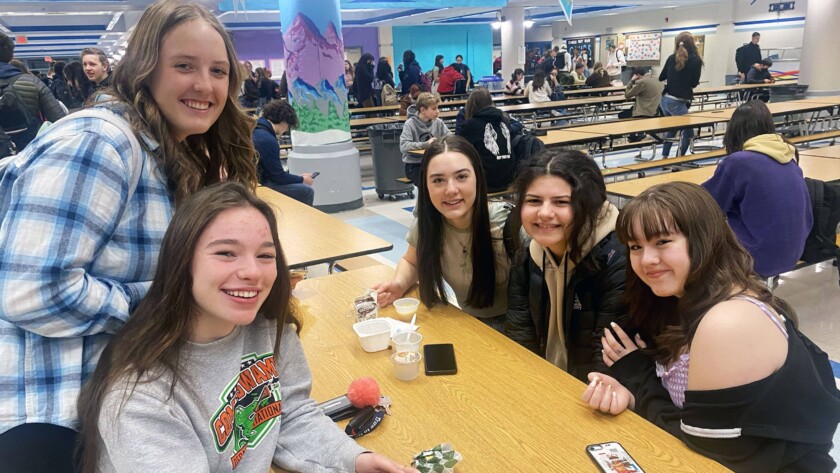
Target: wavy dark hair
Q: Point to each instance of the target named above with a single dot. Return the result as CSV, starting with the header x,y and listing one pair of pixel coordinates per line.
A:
x,y
439,62
749,120
151,341
720,267
538,80
430,232
384,71
408,57
226,149
588,192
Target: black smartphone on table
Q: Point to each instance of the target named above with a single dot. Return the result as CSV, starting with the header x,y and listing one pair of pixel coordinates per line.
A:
x,y
612,458
439,359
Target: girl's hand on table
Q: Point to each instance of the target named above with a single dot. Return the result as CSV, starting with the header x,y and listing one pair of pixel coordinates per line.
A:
x,y
607,395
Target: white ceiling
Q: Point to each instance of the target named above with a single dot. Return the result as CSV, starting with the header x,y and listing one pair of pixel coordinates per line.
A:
x,y
64,27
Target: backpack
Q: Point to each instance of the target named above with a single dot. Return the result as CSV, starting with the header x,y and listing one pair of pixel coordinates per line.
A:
x,y
14,115
821,242
560,60
7,146
525,145
426,81
389,95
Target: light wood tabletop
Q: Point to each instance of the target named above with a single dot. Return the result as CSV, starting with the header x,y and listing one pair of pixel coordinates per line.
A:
x,y
825,169
776,108
824,152
569,136
594,90
525,107
830,99
643,125
507,410
738,87
309,236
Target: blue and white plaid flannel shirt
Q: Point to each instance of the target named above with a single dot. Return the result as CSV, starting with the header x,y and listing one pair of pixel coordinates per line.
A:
x,y
76,257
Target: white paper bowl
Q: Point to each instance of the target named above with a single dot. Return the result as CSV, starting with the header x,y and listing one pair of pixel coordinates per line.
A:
x,y
374,334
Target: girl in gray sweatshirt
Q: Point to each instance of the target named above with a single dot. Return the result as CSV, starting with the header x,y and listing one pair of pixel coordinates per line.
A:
x,y
208,374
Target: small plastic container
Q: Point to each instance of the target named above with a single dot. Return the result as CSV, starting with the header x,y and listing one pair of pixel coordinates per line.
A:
x,y
406,308
407,342
406,365
374,334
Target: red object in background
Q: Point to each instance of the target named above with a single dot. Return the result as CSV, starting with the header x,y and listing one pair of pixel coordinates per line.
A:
x,y
21,39
364,392
48,58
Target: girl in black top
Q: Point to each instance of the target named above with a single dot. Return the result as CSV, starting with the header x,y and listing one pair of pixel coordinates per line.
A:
x,y
364,80
682,73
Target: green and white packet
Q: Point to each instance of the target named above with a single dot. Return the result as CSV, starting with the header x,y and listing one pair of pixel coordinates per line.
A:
x,y
439,459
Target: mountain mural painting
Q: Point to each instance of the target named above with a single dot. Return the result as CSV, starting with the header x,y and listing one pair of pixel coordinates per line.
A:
x,y
315,72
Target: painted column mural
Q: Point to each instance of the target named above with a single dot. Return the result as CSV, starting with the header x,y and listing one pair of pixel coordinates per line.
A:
x,y
314,52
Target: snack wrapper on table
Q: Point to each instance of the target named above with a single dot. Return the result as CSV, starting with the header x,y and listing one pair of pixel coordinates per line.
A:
x,y
366,306
439,459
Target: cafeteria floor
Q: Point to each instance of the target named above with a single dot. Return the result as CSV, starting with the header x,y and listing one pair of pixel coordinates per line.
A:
x,y
813,291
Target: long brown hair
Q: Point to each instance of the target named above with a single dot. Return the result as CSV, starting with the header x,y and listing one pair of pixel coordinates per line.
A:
x,y
720,267
749,120
226,150
684,46
478,100
430,232
151,341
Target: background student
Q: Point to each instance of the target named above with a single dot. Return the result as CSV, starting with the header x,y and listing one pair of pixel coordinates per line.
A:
x,y
409,72
364,80
170,379
748,55
719,363
488,129
538,90
94,210
599,77
277,118
515,85
682,74
646,90
457,237
567,281
762,191
421,129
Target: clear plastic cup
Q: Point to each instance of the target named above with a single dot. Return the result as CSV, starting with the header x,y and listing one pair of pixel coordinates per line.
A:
x,y
406,308
407,342
406,365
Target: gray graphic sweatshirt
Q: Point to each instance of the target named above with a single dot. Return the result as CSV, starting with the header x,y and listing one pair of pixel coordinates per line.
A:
x,y
240,409
416,134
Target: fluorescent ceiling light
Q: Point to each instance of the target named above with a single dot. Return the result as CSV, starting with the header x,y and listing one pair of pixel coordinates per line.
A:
x,y
61,13
497,23
528,23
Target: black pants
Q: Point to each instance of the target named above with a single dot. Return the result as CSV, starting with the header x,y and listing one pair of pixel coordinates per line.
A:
x,y
38,448
412,171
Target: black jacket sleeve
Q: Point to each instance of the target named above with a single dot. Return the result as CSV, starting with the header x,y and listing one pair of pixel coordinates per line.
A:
x,y
611,280
519,326
637,372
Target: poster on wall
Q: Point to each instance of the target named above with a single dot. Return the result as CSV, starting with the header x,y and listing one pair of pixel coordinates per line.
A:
x,y
277,67
644,46
583,45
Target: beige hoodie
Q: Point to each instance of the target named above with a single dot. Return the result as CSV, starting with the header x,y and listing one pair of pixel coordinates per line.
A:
x,y
771,145
556,277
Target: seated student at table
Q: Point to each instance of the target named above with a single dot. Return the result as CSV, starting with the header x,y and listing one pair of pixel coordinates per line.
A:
x,y
567,282
514,85
277,117
422,128
718,361
762,191
599,77
538,90
168,393
577,74
760,73
457,237
447,79
487,128
646,90
408,99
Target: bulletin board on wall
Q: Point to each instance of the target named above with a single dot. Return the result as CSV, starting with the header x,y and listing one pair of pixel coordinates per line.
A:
x,y
644,49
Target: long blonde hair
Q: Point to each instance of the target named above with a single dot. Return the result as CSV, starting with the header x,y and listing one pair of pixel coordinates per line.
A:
x,y
226,150
684,45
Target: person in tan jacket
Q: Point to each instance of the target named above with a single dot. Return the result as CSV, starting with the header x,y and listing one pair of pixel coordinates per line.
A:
x,y
647,92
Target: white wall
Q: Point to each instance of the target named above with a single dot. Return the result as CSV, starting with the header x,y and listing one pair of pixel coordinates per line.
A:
x,y
721,41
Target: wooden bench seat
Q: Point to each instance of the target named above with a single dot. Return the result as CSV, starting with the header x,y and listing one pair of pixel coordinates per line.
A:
x,y
833,134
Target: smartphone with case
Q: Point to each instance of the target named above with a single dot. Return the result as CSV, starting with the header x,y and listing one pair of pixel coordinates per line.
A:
x,y
612,458
439,359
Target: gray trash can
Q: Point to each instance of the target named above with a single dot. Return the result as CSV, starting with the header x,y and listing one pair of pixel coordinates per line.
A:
x,y
387,161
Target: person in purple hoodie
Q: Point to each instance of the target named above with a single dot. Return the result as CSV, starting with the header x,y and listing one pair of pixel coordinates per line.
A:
x,y
761,190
